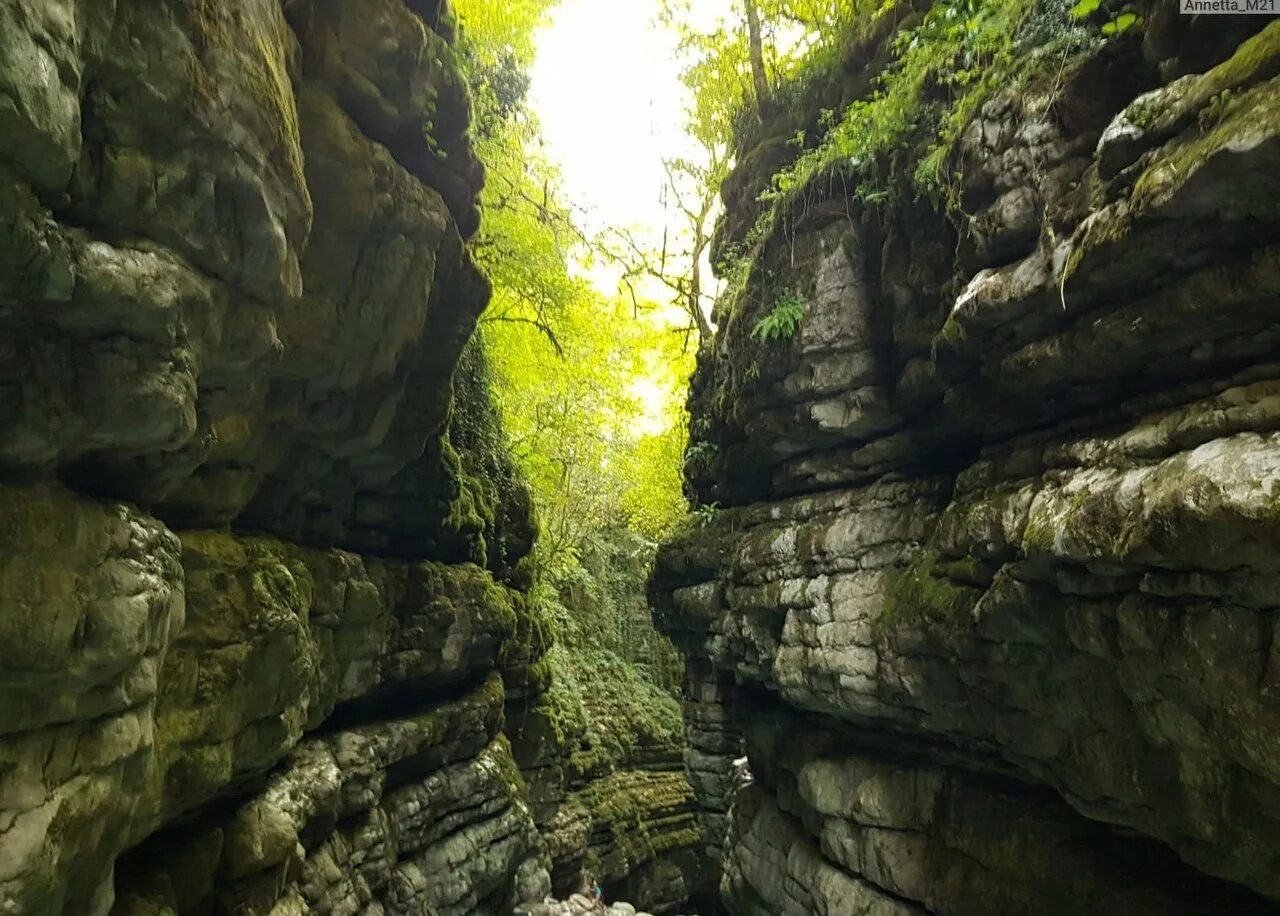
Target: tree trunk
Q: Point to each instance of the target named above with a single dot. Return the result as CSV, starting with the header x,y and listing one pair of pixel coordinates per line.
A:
x,y
694,302
758,75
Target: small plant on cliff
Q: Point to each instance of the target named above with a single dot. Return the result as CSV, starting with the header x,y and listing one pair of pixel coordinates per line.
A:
x,y
1115,26
705,515
782,322
700,451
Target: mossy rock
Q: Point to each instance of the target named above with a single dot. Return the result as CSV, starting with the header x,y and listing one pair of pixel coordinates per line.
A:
x,y
931,595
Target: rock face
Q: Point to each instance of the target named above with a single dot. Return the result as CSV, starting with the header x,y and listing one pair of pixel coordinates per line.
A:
x,y
600,745
235,288
261,598
991,600
578,905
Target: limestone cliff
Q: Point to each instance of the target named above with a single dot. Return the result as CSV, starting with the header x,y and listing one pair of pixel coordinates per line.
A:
x,y
990,600
260,579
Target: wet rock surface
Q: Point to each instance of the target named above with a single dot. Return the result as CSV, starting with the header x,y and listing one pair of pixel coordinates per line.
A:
x,y
990,597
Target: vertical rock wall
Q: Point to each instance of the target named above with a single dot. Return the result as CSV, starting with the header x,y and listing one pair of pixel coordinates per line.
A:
x,y
264,628
600,742
253,600
991,595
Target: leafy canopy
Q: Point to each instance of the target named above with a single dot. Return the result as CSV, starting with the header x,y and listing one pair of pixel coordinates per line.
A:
x,y
590,384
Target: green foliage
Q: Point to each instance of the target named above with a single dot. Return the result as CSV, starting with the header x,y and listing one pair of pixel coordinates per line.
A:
x,y
703,516
654,499
782,322
599,601
609,686
497,30
700,451
606,711
931,79
590,390
942,70
799,36
1115,26
1120,24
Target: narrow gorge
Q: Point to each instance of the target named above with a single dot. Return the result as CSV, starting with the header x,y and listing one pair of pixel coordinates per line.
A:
x,y
976,606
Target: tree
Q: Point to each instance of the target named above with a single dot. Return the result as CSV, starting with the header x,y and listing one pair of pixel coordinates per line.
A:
x,y
568,361
744,61
756,44
691,195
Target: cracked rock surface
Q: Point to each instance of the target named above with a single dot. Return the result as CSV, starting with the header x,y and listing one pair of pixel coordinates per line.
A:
x,y
254,603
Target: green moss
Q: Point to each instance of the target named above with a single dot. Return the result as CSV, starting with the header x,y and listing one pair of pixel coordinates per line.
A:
x,y
952,336
966,570
455,590
524,655
459,508
259,53
1256,59
497,506
925,595
605,712
638,816
1179,160
1106,228
507,770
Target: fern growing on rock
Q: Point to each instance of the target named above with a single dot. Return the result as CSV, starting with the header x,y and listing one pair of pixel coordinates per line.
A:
x,y
782,322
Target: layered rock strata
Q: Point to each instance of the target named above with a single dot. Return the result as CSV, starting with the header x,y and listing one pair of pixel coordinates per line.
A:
x,y
261,598
234,294
992,594
235,290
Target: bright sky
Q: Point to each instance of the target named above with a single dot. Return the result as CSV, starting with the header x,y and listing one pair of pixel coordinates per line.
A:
x,y
606,87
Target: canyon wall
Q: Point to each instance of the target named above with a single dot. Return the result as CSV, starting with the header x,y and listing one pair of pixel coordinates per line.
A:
x,y
988,593
261,592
